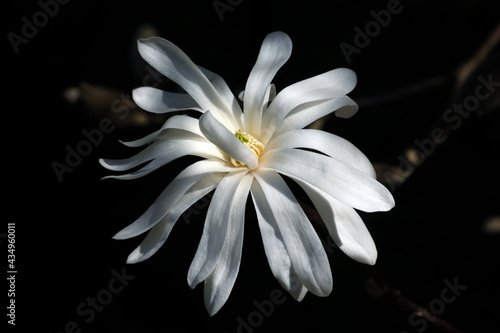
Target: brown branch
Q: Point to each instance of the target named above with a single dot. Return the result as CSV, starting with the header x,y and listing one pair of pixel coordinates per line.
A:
x,y
412,157
408,304
465,70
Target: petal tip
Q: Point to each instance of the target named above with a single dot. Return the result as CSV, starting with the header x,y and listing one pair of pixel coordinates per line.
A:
x,y
134,258
121,235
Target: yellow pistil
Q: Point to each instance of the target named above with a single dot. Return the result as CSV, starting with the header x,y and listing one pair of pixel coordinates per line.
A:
x,y
255,146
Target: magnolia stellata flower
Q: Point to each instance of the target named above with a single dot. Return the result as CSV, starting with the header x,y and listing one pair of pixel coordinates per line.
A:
x,y
246,152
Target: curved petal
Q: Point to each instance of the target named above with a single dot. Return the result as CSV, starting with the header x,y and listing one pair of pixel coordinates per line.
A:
x,y
160,232
348,110
274,52
345,183
332,84
303,245
174,147
344,225
274,246
270,95
172,193
307,113
226,141
226,94
327,143
215,231
159,101
181,122
169,60
200,149
220,282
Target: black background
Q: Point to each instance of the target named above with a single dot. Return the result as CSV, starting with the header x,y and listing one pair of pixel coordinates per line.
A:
x,y
65,252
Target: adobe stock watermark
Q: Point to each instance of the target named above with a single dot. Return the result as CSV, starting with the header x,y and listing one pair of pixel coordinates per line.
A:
x,y
265,308
31,26
372,29
223,6
438,305
121,106
453,117
92,138
88,309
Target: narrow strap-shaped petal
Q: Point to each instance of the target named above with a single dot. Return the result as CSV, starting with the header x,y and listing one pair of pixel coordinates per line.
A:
x,y
160,232
220,282
332,84
220,136
303,245
327,143
173,192
307,113
181,122
159,101
344,225
270,95
274,52
274,245
215,229
342,181
169,60
226,94
200,149
175,146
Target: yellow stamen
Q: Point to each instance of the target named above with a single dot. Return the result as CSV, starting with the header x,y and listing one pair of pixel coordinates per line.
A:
x,y
255,146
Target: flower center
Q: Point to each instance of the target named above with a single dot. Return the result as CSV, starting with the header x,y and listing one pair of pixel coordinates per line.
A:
x,y
255,146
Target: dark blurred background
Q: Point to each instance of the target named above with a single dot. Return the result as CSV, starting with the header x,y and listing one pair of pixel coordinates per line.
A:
x,y
79,66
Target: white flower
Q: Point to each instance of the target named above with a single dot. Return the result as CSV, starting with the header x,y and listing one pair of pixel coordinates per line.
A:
x,y
245,152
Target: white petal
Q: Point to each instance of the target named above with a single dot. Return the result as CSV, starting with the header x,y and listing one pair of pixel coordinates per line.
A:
x,y
200,149
226,94
172,193
274,52
327,143
159,101
347,111
215,230
183,144
304,247
307,113
169,60
181,122
338,179
344,225
220,282
332,84
270,95
274,245
159,233
220,136
153,151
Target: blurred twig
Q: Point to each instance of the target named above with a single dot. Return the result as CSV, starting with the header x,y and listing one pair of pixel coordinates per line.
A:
x,y
465,70
463,73
399,176
408,304
377,100
413,157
